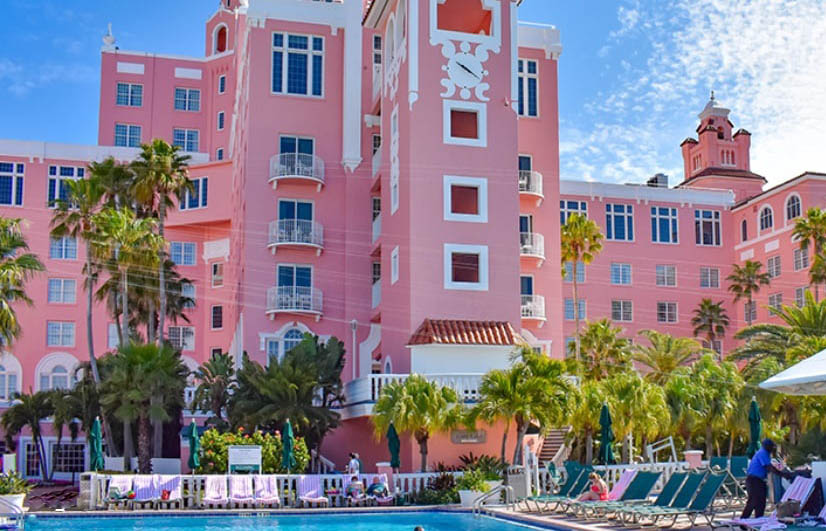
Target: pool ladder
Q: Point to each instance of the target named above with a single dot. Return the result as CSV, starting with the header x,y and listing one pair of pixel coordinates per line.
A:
x,y
510,499
11,516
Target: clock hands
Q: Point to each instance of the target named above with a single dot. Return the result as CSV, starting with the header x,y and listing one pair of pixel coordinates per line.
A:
x,y
469,71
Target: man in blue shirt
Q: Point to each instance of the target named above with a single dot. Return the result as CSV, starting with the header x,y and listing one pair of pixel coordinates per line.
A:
x,y
756,486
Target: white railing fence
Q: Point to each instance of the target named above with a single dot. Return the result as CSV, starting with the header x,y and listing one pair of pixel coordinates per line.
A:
x,y
530,182
300,231
376,161
368,389
533,306
297,165
376,294
376,228
611,473
294,298
532,244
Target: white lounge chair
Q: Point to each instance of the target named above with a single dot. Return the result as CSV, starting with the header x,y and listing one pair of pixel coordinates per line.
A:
x,y
310,492
215,492
800,490
241,493
367,480
172,485
119,486
146,491
266,491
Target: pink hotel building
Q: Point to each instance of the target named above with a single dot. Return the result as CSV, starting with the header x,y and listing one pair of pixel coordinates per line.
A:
x,y
388,173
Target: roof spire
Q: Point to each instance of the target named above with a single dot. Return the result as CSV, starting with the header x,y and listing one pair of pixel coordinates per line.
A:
x,y
712,95
109,39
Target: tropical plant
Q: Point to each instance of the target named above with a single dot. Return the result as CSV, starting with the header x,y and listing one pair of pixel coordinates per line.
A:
x,y
28,410
710,319
13,483
473,480
683,396
664,354
603,350
65,410
419,407
745,282
215,453
581,241
721,385
638,408
584,415
811,231
216,379
160,173
16,267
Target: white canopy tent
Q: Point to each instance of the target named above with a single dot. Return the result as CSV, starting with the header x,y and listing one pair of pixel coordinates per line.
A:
x,y
805,378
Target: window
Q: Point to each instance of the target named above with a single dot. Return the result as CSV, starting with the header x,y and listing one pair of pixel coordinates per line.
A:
x,y
707,227
801,259
300,154
62,290
217,317
569,309
64,248
215,351
570,347
377,50
292,339
217,274
187,99
566,208
466,267
273,351
298,60
127,135
186,139
716,345
620,274
68,457
667,312
744,230
182,337
182,253
376,272
800,296
750,311
773,266
57,378
129,95
394,265
666,275
11,183
464,123
569,272
621,311
793,207
276,349
465,199
222,84
112,339
188,292
528,81
60,334
619,222
220,120
32,465
766,218
376,143
776,301
376,206
58,185
709,277
198,196
8,383
526,286
219,154
664,225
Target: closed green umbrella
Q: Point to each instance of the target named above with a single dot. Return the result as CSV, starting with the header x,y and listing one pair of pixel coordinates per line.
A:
x,y
96,444
606,436
194,447
394,445
755,427
287,447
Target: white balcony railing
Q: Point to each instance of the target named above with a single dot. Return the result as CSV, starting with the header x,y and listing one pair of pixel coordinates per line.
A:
x,y
376,161
303,232
376,299
532,244
376,228
533,307
296,166
294,299
377,78
368,389
530,182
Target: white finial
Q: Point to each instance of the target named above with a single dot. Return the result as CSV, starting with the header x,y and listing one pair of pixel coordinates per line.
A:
x,y
109,39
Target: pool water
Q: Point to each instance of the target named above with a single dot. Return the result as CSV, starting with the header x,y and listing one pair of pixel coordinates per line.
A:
x,y
407,521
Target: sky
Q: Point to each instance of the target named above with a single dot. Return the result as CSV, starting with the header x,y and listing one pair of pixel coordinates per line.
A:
x,y
633,74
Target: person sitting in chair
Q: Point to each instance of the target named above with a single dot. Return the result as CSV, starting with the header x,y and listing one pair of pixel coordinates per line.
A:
x,y
597,491
355,489
377,488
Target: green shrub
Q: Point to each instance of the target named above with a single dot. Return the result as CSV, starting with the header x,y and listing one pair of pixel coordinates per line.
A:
x,y
13,484
435,497
472,480
214,451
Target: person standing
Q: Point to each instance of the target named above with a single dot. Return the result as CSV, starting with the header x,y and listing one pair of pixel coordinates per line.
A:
x,y
353,467
757,474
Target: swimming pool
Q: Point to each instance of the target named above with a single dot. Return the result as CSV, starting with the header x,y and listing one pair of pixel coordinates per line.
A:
x,y
385,521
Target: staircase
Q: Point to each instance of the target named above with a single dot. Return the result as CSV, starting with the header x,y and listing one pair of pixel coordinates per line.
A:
x,y
553,447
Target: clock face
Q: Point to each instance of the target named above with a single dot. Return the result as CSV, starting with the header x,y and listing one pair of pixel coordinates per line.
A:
x,y
465,70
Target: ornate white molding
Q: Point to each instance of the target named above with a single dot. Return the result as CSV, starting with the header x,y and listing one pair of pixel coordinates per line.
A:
x,y
216,249
413,59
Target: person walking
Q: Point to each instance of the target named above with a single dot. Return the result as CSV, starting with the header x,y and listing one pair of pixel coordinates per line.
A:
x,y
757,474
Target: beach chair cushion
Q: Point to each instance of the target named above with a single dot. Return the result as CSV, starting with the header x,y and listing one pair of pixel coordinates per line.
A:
x,y
146,488
215,489
240,488
266,489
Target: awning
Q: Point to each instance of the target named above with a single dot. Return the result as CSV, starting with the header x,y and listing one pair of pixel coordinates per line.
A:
x,y
805,378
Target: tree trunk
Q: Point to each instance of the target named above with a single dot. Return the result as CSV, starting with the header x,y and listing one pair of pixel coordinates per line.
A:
x,y
144,441
521,430
90,337
505,439
589,448
748,313
709,441
128,446
731,444
576,312
41,452
422,440
150,321
161,272
124,292
157,433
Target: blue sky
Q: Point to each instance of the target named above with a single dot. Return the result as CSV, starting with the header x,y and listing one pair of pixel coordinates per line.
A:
x,y
633,74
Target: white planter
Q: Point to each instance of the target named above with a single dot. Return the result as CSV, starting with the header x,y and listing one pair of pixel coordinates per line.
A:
x,y
15,500
467,497
493,484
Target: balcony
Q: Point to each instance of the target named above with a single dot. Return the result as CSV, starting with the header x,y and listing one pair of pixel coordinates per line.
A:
x,y
368,389
376,228
377,78
533,307
296,233
532,245
376,298
376,162
296,167
294,299
530,184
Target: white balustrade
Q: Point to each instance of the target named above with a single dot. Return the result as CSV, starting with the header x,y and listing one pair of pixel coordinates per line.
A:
x,y
532,244
376,161
296,232
294,299
376,299
376,228
533,307
368,389
377,77
296,166
530,182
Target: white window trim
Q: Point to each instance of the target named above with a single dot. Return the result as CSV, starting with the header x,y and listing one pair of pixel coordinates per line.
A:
x,y
194,254
630,274
482,251
285,50
394,265
218,87
760,229
215,31
522,78
480,183
12,365
183,342
220,120
625,215
583,304
197,183
187,132
211,317
131,85
48,363
786,207
62,325
570,278
189,91
622,302
481,123
712,220
676,312
129,128
665,276
710,269
669,217
62,290
212,274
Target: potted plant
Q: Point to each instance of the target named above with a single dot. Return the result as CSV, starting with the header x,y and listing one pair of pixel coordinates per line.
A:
x,y
493,470
470,486
13,489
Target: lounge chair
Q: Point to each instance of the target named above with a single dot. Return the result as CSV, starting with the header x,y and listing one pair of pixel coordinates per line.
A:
x,y
170,484
146,491
310,492
800,490
637,492
266,491
554,503
572,472
119,486
718,464
358,500
215,492
820,518
663,499
700,506
379,500
241,491
616,492
680,499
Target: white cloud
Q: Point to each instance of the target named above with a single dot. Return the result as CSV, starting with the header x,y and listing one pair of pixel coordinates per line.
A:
x,y
20,80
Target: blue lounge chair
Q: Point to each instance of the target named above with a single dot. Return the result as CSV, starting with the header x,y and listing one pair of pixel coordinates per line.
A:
x,y
700,506
680,499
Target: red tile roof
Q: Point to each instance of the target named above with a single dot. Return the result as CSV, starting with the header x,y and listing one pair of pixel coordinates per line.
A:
x,y
455,332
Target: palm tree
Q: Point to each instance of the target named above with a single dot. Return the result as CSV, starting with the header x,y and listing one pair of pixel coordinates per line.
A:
x,y
720,384
584,417
684,396
603,350
664,355
217,383
745,282
581,241
65,409
116,180
417,406
160,173
811,229
637,407
16,268
711,319
28,410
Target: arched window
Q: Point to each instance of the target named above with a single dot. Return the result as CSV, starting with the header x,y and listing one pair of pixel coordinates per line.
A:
x,y
400,22
766,218
8,383
744,230
388,366
292,338
57,378
793,207
390,43
219,43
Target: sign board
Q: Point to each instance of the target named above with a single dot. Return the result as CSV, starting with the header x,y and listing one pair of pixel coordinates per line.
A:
x,y
468,436
244,458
